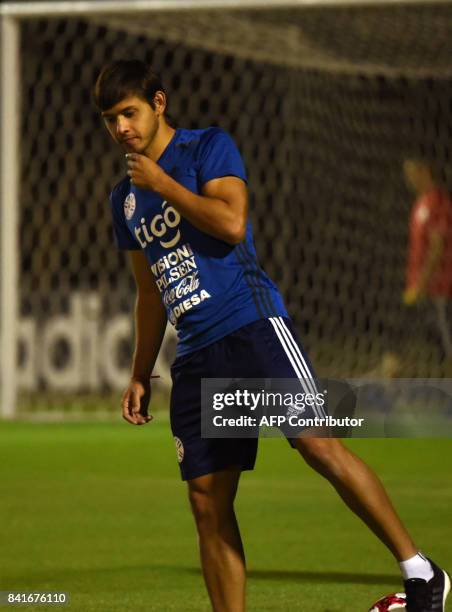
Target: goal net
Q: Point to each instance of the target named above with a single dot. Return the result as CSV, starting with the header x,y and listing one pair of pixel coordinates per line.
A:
x,y
324,102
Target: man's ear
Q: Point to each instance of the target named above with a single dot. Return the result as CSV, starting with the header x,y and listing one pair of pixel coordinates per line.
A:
x,y
160,102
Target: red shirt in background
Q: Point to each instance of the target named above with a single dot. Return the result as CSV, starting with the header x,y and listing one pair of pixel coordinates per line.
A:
x,y
431,212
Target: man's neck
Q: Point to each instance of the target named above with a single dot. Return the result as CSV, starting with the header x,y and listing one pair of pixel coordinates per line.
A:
x,y
161,140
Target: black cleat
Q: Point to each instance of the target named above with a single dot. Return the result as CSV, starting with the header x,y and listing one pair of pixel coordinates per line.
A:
x,y
423,596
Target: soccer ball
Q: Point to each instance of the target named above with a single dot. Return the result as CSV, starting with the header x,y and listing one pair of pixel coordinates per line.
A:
x,y
395,601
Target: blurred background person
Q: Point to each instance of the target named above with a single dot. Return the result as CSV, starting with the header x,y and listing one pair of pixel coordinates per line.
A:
x,y
429,258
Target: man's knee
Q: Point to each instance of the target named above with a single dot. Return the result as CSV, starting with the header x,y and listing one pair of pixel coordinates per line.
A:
x,y
325,455
204,510
211,505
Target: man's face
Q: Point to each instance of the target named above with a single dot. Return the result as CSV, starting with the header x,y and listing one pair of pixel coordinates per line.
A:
x,y
417,174
132,123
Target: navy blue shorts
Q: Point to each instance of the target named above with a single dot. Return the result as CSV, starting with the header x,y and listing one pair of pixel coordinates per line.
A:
x,y
266,348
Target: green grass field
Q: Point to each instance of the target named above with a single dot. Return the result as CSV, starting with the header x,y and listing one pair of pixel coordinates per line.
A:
x,y
98,510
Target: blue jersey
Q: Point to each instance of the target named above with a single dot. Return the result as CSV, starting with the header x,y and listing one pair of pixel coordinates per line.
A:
x,y
209,288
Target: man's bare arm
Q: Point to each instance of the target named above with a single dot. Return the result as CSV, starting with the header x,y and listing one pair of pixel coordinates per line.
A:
x,y
221,211
150,318
150,325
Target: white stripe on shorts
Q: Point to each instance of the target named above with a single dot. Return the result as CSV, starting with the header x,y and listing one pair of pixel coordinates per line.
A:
x,y
292,350
296,359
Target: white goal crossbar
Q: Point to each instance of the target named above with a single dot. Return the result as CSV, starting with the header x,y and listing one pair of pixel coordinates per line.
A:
x,y
97,7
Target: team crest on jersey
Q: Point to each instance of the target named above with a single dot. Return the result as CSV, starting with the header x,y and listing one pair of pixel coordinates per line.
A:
x,y
179,449
129,206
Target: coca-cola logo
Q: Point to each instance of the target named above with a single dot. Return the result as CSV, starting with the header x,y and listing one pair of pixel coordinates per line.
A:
x,y
186,286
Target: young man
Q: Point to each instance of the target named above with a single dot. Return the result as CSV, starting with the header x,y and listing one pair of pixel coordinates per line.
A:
x,y
182,214
429,263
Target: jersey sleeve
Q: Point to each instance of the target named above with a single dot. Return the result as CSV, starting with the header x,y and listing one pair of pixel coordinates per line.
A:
x,y
121,233
219,157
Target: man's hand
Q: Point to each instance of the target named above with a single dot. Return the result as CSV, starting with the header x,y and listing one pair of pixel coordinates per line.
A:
x,y
135,402
412,296
144,173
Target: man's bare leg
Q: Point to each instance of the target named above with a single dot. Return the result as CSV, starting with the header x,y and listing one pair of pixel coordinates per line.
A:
x,y
222,556
361,490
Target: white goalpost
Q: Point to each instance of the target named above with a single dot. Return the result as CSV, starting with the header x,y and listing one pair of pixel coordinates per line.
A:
x,y
9,203
309,104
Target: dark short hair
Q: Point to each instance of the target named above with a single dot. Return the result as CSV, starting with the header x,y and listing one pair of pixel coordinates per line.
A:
x,y
124,78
